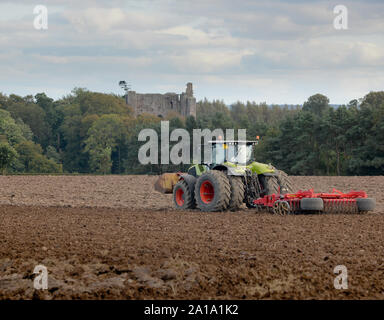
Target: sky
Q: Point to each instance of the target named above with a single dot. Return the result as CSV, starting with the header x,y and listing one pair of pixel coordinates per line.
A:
x,y
280,51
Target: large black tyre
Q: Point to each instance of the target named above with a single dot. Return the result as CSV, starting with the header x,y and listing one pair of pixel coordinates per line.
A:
x,y
237,193
278,182
213,191
365,204
183,198
312,204
271,185
285,182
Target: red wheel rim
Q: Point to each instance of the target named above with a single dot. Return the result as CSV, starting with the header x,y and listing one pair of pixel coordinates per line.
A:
x,y
207,192
180,197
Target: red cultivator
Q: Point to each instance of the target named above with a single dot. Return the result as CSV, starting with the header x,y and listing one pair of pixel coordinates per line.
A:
x,y
309,201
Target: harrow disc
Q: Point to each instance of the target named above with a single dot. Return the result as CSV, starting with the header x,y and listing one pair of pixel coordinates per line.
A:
x,y
276,207
340,206
284,208
281,208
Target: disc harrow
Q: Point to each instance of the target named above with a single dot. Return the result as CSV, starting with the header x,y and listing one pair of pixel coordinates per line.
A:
x,y
312,202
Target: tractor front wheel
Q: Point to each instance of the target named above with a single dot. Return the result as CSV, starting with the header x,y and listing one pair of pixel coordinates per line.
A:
x,y
183,198
213,191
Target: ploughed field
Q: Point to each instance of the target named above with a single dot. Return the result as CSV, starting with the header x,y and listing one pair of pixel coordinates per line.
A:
x,y
114,237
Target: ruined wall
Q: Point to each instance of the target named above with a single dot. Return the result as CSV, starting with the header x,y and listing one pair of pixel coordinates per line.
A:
x,y
162,104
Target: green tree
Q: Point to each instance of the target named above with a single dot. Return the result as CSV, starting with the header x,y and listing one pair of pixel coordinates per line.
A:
x,y
53,117
7,155
34,116
80,110
105,135
30,155
190,124
13,132
52,154
368,152
317,104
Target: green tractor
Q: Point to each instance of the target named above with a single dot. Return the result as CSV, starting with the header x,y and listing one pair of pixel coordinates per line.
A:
x,y
232,178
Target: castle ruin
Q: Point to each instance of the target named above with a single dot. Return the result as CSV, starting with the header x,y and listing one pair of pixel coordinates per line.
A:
x,y
162,104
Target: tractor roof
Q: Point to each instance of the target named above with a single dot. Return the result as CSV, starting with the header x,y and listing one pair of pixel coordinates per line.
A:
x,y
248,142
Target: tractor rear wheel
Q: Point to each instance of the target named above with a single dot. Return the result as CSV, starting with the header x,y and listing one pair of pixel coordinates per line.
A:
x,y
281,181
271,185
183,198
237,193
213,191
285,182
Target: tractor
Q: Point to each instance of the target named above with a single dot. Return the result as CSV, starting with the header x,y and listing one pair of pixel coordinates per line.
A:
x,y
232,178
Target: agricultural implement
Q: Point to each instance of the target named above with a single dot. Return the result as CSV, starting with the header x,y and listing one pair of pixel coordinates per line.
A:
x,y
309,201
233,177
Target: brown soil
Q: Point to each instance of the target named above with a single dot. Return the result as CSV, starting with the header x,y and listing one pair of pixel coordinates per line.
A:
x,y
115,238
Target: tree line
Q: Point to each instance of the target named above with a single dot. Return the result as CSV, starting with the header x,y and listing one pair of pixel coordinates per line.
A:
x,y
95,133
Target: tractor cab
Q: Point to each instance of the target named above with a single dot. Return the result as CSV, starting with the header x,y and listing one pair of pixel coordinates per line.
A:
x,y
231,151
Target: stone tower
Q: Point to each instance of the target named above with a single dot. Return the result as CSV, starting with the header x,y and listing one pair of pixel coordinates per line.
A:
x,y
162,104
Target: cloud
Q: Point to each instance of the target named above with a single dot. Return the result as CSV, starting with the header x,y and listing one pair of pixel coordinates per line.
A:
x,y
281,51
101,19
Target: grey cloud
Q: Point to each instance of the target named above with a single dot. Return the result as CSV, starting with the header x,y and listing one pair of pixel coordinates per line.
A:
x,y
227,48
